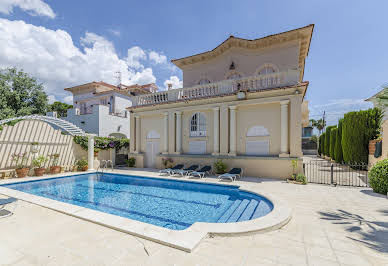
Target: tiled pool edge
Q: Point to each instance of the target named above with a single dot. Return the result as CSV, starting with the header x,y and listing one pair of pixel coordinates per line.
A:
x,y
185,240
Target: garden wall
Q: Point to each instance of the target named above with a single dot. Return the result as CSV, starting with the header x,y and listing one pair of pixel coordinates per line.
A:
x,y
18,139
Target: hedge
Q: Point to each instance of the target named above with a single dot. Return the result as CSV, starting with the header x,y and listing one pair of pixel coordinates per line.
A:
x,y
333,135
102,143
327,140
320,143
358,129
338,143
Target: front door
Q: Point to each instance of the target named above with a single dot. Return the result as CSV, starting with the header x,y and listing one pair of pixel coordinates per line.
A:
x,y
152,150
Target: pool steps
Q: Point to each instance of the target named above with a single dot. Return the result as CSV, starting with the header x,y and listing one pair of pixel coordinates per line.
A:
x,y
241,211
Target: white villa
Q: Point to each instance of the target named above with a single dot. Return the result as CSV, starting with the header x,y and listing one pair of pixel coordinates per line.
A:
x,y
240,102
99,107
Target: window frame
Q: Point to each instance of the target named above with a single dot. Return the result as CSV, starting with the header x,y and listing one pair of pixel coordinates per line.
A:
x,y
198,125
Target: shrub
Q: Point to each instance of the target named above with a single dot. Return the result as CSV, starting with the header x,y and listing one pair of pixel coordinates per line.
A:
x,y
338,143
327,140
301,178
333,135
39,161
131,162
220,167
378,177
358,129
294,164
81,164
321,149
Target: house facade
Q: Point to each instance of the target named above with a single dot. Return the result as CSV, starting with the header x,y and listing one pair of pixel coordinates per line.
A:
x,y
100,108
240,102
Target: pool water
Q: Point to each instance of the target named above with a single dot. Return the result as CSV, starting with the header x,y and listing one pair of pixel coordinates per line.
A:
x,y
172,204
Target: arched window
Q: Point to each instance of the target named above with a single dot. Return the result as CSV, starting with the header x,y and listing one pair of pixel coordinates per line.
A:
x,y
268,81
198,125
266,70
203,81
234,76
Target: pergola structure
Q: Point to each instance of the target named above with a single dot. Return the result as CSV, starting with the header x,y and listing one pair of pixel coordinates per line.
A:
x,y
66,126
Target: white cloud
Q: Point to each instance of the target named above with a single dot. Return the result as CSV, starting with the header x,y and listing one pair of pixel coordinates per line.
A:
x,y
157,58
34,7
115,32
52,99
68,99
135,54
174,80
336,108
52,57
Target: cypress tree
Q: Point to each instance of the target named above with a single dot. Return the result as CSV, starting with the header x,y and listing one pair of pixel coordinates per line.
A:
x,y
322,143
333,135
338,143
327,140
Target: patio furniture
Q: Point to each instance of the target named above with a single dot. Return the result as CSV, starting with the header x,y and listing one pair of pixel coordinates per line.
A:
x,y
233,174
4,174
3,212
201,172
168,171
185,171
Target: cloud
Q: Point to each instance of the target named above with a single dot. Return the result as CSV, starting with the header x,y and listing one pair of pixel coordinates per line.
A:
x,y
115,32
336,108
33,7
52,57
68,99
174,80
157,58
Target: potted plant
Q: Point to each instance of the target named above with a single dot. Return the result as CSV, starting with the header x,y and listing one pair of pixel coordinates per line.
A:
x,y
294,164
167,162
34,147
38,163
131,162
21,160
96,150
82,165
55,168
220,167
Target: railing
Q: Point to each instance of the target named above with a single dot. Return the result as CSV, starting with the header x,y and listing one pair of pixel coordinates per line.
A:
x,y
225,87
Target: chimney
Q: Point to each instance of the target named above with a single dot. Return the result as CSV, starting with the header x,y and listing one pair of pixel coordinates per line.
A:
x,y
169,86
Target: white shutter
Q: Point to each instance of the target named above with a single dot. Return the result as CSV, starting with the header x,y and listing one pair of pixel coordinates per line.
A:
x,y
197,147
257,147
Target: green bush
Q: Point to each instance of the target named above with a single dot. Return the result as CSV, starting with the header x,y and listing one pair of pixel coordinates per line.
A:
x,y
301,178
39,161
358,129
321,148
378,177
333,135
220,167
131,162
81,163
338,143
327,140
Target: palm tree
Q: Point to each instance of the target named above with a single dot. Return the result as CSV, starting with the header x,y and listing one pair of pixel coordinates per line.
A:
x,y
318,124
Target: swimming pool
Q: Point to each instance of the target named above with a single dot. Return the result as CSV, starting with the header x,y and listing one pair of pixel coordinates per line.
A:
x,y
172,204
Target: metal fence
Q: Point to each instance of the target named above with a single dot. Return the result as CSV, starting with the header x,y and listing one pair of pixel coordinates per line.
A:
x,y
325,172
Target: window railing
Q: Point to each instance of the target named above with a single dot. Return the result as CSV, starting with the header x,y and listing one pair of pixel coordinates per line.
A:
x,y
224,87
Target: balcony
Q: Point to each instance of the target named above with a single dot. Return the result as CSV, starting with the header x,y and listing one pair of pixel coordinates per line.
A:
x,y
224,87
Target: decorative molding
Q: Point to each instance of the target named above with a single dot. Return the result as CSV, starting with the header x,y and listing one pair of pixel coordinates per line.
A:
x,y
257,131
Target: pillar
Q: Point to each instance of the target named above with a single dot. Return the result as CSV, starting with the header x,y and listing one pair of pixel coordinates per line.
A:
x,y
90,152
137,134
216,131
284,129
178,134
224,130
232,129
165,137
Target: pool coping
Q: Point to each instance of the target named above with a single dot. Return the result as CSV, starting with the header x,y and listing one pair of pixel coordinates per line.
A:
x,y
185,240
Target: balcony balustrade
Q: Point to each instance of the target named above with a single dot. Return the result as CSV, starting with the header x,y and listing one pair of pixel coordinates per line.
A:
x,y
224,87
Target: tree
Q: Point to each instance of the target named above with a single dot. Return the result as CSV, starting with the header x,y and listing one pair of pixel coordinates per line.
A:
x,y
338,156
20,94
318,124
60,108
327,140
333,135
321,147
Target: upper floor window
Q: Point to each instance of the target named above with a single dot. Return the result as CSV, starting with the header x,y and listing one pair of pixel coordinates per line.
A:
x,y
234,76
203,81
198,125
104,101
266,70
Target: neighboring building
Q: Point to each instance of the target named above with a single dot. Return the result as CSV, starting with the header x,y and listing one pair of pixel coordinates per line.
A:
x,y
241,103
380,100
100,108
309,147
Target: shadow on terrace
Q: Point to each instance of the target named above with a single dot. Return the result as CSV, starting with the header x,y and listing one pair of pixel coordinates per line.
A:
x,y
373,234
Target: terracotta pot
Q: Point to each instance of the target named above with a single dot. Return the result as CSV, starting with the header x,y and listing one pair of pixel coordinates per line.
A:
x,y
39,171
85,168
75,168
22,172
55,169
95,154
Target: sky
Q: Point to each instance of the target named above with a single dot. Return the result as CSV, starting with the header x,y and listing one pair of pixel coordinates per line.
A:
x,y
67,43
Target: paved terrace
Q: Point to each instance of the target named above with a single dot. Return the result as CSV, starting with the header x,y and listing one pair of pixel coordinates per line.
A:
x,y
330,226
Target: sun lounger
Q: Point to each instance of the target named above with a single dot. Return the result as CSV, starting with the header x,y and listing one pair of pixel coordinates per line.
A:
x,y
185,171
168,171
232,174
201,172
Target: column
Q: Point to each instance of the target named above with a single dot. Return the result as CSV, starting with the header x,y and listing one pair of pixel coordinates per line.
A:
x,y
178,132
232,129
90,152
137,134
216,131
224,130
132,136
284,129
165,137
